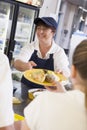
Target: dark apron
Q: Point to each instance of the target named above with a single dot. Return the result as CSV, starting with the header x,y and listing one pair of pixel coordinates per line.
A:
x,y
41,64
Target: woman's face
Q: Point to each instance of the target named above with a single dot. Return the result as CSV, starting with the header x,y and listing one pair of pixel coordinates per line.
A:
x,y
44,33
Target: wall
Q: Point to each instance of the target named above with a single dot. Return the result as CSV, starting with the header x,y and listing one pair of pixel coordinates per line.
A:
x,y
50,8
64,21
65,24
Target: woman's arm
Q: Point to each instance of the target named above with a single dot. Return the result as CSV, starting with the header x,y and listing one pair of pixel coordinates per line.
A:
x,y
23,66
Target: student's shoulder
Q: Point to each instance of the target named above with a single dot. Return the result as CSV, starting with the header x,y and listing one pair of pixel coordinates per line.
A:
x,y
3,55
3,58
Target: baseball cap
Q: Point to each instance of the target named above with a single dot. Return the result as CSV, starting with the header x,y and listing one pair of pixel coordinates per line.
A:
x,y
49,21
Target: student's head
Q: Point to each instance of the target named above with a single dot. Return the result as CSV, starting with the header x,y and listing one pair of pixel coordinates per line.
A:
x,y
79,66
46,27
80,59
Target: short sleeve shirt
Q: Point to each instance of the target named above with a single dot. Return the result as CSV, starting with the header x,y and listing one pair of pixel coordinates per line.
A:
x,y
57,111
60,58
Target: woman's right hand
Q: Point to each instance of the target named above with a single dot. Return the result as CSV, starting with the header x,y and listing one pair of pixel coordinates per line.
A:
x,y
23,66
31,64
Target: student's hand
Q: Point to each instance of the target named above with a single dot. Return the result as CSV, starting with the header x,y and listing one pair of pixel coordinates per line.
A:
x,y
56,87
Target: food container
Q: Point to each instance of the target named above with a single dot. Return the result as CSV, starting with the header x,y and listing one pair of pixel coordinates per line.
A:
x,y
32,93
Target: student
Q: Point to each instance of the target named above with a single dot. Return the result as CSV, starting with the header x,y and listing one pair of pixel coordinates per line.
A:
x,y
62,111
43,53
6,94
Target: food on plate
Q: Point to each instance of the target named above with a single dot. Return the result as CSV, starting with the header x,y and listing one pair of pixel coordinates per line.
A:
x,y
43,75
38,76
51,77
16,100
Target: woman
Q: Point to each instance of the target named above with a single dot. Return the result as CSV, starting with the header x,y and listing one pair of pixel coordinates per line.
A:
x,y
62,111
43,53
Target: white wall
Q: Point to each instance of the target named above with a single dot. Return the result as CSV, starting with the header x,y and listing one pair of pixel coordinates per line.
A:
x,y
65,23
50,8
76,38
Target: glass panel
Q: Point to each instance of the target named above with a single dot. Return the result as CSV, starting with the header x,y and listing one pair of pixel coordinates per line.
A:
x,y
6,10
24,28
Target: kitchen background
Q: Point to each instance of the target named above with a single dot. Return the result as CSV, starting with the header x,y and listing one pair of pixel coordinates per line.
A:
x,y
17,28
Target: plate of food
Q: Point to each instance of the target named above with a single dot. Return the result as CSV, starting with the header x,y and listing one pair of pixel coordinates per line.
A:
x,y
43,76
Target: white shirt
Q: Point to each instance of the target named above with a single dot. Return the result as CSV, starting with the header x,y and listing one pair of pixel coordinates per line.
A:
x,y
60,58
6,91
57,111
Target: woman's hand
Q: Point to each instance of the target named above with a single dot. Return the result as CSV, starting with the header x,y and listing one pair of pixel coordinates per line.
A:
x,y
31,64
23,66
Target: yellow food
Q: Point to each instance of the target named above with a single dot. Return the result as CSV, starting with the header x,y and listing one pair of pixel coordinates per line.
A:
x,y
16,100
38,76
51,77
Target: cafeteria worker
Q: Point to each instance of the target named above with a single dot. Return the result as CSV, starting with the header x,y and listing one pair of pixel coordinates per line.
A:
x,y
42,53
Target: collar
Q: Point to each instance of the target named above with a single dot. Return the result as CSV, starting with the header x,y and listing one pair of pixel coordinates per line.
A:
x,y
52,49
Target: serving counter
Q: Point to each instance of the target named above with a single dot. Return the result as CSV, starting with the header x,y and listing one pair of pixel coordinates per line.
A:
x,y
19,107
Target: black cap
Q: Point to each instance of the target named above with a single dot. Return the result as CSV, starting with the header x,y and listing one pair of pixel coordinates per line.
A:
x,y
49,21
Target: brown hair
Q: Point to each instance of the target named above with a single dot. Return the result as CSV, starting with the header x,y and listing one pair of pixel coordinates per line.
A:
x,y
80,62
